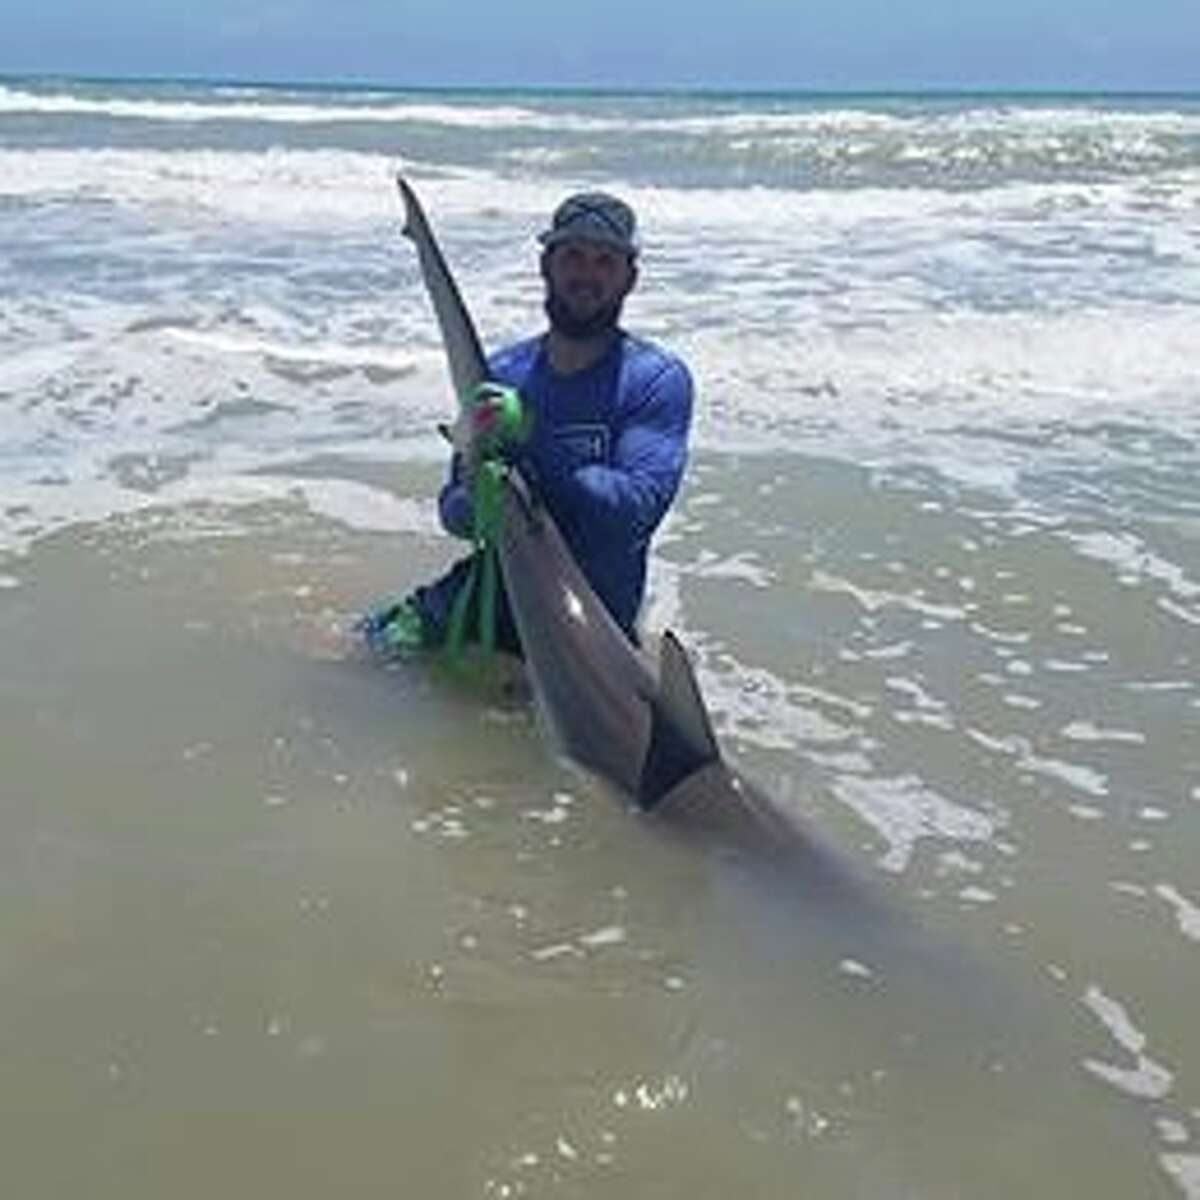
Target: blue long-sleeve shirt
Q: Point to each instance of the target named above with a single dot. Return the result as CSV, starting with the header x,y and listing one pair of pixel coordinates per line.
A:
x,y
606,452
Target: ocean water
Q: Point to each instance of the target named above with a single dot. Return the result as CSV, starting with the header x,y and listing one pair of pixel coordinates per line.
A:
x,y
279,919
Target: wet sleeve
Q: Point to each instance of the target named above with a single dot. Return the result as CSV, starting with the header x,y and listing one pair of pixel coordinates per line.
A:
x,y
630,496
454,503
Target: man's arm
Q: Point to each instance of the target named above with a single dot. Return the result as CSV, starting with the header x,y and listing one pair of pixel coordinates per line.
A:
x,y
454,502
630,496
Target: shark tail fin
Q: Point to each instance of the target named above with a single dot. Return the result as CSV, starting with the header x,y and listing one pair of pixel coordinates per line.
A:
x,y
412,208
681,736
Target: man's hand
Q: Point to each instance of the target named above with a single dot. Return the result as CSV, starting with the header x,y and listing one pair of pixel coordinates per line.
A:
x,y
495,420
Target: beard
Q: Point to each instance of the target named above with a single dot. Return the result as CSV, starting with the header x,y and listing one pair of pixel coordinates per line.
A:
x,y
565,321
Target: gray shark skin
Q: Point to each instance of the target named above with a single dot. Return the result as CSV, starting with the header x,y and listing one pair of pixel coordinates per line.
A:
x,y
468,366
645,731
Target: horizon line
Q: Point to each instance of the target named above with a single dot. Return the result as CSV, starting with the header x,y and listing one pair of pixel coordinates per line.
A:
x,y
878,91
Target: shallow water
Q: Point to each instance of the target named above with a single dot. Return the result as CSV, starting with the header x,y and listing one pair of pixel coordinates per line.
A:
x,y
279,919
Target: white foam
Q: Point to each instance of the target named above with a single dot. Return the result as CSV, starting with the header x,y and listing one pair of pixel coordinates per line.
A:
x,y
610,935
358,506
921,698
22,369
262,107
1135,561
277,186
1147,1079
820,323
272,105
756,215
1172,1132
1039,128
743,566
354,505
843,122
1099,119
750,703
1003,377
115,419
904,810
1075,775
1184,1170
1085,731
266,106
1189,616
1186,913
331,354
873,600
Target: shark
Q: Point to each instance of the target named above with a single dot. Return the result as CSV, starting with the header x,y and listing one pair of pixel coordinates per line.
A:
x,y
641,726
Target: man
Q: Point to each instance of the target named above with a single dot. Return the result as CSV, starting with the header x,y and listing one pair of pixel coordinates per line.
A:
x,y
610,415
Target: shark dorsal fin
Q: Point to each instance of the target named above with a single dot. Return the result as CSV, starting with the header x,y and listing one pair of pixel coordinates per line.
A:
x,y
681,736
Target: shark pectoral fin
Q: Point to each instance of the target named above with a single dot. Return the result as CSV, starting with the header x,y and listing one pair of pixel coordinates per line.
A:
x,y
681,736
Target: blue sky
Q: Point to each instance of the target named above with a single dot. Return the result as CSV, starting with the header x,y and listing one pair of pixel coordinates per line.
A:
x,y
839,44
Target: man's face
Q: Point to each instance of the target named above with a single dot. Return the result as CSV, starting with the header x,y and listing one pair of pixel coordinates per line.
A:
x,y
586,284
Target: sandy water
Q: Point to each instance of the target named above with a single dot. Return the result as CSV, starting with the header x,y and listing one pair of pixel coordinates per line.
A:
x,y
277,920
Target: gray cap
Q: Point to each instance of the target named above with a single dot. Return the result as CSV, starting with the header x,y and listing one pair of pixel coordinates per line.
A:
x,y
594,217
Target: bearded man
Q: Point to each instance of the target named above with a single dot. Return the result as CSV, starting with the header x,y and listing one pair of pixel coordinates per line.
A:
x,y
609,416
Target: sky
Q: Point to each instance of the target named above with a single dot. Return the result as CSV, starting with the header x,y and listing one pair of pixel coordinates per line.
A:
x,y
1129,45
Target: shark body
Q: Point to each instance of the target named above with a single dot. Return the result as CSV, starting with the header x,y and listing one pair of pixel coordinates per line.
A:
x,y
643,729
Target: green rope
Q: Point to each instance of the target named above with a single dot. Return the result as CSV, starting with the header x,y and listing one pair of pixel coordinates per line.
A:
x,y
506,423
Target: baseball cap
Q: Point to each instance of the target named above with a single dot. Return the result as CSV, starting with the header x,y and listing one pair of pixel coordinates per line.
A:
x,y
594,217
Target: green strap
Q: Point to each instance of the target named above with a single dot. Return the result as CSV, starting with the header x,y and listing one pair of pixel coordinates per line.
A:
x,y
456,636
483,578
507,423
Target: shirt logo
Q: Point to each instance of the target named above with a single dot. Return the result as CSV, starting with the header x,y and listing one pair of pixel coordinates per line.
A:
x,y
583,444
